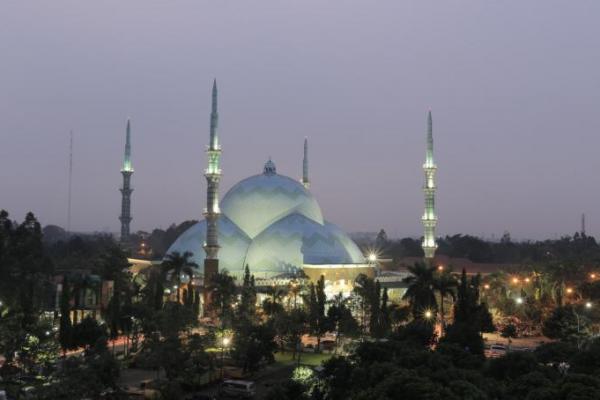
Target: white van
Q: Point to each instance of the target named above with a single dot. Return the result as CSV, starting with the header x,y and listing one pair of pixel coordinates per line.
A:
x,y
235,388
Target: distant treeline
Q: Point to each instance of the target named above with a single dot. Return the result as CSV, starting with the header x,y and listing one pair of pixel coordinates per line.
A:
x,y
579,248
158,241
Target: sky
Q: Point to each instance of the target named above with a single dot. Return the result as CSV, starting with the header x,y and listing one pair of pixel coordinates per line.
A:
x,y
513,87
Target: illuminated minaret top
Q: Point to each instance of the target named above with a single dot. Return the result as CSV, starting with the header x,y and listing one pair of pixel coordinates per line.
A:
x,y
305,180
126,190
213,176
429,217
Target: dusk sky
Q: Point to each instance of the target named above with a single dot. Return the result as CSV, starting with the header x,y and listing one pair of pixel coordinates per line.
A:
x,y
514,87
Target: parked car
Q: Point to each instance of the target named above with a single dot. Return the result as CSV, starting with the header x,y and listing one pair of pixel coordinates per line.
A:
x,y
309,348
238,388
496,350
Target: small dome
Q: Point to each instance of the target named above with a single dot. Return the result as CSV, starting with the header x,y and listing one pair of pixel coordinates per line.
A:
x,y
270,168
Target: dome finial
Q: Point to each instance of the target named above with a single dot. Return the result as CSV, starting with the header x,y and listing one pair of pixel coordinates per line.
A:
x,y
270,168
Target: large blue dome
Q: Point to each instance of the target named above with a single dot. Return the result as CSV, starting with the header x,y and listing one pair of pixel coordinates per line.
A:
x,y
273,224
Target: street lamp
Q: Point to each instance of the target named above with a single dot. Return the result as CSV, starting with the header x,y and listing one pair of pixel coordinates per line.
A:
x,y
428,314
569,290
588,305
519,300
372,257
224,343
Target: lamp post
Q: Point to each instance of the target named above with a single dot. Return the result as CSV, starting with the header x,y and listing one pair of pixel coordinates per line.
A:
x,y
224,343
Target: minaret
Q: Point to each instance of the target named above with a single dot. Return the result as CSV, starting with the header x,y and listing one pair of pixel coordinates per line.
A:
x,y
126,190
429,218
305,180
211,213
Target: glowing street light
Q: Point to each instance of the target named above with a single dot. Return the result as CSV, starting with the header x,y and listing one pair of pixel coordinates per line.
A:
x,y
519,300
526,280
428,314
440,268
593,276
515,280
224,343
486,286
588,305
372,257
569,290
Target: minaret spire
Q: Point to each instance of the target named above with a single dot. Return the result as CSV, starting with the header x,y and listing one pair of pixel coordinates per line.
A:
x,y
211,213
126,190
429,217
305,180
214,119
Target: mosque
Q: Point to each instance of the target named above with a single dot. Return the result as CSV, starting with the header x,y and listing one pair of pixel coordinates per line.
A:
x,y
272,223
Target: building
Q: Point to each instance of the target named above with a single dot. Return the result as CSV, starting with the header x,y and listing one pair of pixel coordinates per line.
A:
x,y
274,224
271,223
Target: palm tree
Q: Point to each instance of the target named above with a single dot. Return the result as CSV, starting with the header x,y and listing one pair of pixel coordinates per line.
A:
x,y
178,263
420,292
274,305
445,284
222,290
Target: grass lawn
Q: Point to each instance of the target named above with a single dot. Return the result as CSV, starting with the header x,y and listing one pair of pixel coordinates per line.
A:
x,y
305,358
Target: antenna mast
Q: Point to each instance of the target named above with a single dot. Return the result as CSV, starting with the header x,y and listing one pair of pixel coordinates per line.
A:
x,y
70,182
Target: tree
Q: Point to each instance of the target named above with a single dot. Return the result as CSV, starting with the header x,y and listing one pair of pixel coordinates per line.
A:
x,y
420,292
381,320
375,310
247,308
112,265
65,333
292,326
566,323
222,290
341,318
470,317
382,240
509,331
88,333
179,263
319,324
252,344
444,284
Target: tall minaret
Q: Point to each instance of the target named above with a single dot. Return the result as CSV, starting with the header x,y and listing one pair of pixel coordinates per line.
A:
x,y
429,218
211,213
126,190
305,180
